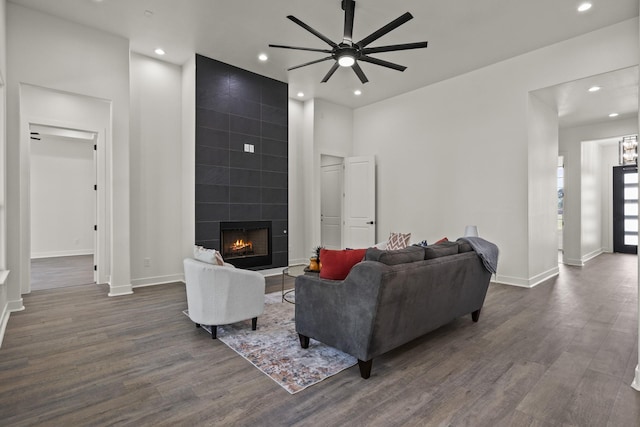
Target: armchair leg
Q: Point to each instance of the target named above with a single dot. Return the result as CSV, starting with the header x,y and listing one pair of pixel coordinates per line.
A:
x,y
254,323
365,368
475,316
214,332
304,341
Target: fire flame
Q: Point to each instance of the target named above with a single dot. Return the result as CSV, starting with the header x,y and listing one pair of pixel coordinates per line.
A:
x,y
240,244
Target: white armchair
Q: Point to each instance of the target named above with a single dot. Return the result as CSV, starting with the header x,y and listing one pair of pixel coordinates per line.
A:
x,y
220,295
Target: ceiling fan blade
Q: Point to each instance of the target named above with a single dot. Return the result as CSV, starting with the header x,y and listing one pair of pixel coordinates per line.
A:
x,y
300,48
359,73
348,6
330,73
312,31
309,63
394,47
381,62
384,30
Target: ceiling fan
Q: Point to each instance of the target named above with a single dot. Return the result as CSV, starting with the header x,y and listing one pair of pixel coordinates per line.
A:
x,y
347,53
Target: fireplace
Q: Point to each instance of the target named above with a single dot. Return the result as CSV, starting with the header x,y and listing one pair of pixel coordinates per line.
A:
x,y
246,244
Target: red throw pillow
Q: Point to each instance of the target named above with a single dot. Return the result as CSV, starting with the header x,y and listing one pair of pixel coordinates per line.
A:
x,y
444,239
337,264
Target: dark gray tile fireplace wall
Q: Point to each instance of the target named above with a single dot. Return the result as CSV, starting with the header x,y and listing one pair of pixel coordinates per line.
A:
x,y
238,110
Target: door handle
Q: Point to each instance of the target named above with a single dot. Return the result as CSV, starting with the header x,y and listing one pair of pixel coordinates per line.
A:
x,y
371,222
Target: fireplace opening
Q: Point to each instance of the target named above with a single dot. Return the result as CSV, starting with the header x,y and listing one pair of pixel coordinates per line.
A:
x,y
246,244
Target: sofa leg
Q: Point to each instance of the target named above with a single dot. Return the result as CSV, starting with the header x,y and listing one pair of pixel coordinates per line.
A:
x,y
304,341
365,368
214,332
197,325
476,315
254,323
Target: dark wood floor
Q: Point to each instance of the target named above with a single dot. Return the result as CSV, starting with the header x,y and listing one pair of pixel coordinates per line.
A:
x,y
562,353
61,272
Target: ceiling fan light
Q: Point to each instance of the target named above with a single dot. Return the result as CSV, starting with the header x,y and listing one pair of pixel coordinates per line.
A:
x,y
346,60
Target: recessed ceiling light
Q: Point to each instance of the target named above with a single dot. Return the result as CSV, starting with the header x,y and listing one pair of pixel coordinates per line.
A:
x,y
159,51
614,115
357,92
584,7
594,88
300,94
263,57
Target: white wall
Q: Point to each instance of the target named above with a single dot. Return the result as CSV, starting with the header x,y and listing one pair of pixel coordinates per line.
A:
x,y
63,202
156,161
188,151
591,201
332,126
570,143
57,54
456,152
542,190
4,307
608,159
298,252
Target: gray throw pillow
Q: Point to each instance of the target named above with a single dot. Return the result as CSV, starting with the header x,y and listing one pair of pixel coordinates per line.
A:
x,y
440,249
398,256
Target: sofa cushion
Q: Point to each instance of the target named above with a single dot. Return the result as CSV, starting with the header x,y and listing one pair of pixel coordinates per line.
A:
x,y
400,256
337,264
463,246
398,241
440,249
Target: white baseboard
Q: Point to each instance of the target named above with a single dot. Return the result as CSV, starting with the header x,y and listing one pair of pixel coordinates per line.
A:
x,y
636,381
588,257
573,262
527,283
584,259
546,275
9,307
17,305
511,281
271,271
55,254
116,291
301,261
4,319
158,280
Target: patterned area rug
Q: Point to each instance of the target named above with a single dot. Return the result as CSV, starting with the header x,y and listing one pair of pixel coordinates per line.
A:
x,y
274,348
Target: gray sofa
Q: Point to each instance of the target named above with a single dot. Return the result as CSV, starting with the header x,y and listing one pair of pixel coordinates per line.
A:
x,y
391,298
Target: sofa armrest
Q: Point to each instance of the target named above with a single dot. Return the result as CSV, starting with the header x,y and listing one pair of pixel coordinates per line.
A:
x,y
340,313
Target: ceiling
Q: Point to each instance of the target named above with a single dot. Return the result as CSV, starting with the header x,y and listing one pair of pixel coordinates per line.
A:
x,y
578,106
463,35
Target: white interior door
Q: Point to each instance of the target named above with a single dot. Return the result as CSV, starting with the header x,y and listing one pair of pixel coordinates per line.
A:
x,y
95,205
360,202
331,206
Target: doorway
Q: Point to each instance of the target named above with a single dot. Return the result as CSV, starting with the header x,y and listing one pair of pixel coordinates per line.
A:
x,y
560,187
63,207
90,118
331,199
625,209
